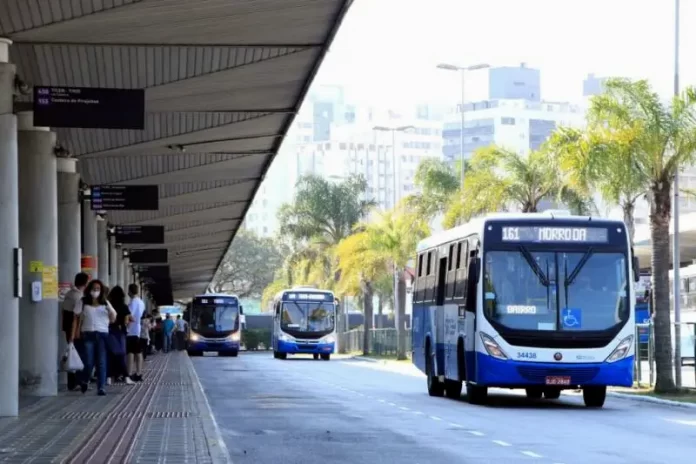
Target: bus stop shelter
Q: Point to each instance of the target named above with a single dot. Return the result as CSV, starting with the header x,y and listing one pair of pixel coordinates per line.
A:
x,y
218,83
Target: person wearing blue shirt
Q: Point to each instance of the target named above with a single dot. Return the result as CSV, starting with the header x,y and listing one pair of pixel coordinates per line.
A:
x,y
168,328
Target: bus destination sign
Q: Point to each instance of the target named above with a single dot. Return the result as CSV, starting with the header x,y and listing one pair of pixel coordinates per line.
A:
x,y
309,296
555,234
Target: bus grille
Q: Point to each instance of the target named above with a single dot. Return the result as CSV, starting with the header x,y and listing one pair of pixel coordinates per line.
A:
x,y
578,375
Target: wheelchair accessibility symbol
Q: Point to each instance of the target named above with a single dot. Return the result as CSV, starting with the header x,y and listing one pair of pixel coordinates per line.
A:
x,y
571,318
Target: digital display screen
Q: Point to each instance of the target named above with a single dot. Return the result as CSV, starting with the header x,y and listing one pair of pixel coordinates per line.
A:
x,y
542,234
309,296
217,301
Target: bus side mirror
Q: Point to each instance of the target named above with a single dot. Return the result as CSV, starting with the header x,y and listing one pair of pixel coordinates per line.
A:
x,y
636,269
241,310
475,269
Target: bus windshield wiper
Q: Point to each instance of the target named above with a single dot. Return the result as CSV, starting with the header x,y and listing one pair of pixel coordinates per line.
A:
x,y
574,275
535,266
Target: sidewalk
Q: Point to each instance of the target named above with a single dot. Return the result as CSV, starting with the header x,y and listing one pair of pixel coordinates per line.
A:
x,y
166,418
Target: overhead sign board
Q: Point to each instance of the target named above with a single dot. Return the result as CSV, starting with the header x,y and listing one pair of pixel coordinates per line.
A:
x,y
89,107
147,256
555,234
125,197
154,272
126,234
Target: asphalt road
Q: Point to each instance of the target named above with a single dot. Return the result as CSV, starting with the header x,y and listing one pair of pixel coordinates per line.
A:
x,y
349,411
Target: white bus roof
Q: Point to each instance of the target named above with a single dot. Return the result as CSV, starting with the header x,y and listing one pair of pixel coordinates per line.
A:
x,y
216,295
279,295
476,226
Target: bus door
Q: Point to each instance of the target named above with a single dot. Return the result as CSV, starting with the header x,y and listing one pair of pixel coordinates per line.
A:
x,y
469,286
446,319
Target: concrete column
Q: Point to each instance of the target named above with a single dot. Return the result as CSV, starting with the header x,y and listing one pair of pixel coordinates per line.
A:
x,y
119,266
69,235
113,262
102,252
89,242
38,227
127,273
9,239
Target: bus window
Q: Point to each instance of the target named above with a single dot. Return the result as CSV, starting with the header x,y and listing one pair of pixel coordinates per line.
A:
x,y
430,279
420,280
451,271
462,265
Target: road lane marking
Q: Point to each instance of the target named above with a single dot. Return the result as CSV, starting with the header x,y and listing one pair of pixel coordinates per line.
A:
x,y
418,413
683,422
476,433
531,454
453,424
381,401
501,443
391,404
403,408
435,418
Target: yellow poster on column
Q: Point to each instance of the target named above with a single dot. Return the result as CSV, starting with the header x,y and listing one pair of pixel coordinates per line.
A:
x,y
49,278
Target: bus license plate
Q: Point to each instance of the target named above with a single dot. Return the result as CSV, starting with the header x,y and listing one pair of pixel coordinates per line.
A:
x,y
557,380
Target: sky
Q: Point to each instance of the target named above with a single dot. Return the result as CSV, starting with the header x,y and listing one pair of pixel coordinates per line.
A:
x,y
387,50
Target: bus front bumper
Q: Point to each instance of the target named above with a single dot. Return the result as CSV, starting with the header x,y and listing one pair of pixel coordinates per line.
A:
x,y
518,374
207,345
309,348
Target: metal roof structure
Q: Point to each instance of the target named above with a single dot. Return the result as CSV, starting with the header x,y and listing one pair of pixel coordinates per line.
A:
x,y
223,81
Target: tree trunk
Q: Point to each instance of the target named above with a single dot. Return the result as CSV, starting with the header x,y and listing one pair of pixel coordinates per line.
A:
x,y
400,319
629,209
368,294
660,215
380,309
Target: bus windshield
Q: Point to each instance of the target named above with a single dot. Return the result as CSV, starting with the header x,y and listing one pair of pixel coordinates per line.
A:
x,y
547,290
215,318
309,316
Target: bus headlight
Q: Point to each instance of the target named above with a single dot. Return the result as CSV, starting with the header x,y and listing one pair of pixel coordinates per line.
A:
x,y
234,337
283,337
492,347
194,337
621,350
328,339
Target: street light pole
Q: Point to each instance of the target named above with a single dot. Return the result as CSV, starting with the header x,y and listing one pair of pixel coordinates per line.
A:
x,y
675,241
462,70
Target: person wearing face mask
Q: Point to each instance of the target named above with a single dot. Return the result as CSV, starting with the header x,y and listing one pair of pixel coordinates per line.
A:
x,y
68,316
95,313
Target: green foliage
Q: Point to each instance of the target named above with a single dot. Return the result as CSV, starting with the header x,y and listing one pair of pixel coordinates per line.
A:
x,y
254,337
437,183
497,178
323,211
249,265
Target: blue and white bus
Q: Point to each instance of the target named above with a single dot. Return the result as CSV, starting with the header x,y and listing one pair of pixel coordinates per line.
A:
x,y
304,322
215,324
542,302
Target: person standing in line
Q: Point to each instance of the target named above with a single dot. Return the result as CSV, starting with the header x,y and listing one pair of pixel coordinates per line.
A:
x,y
95,314
117,367
73,296
133,346
145,327
168,329
180,333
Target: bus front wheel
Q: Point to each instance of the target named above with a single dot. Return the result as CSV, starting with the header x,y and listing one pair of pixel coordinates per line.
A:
x,y
594,397
282,355
476,394
435,387
315,355
325,357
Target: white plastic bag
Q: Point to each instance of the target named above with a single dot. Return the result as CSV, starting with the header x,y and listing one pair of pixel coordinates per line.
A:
x,y
71,359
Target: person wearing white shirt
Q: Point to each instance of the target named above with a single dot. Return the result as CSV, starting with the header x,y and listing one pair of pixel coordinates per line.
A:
x,y
133,345
95,314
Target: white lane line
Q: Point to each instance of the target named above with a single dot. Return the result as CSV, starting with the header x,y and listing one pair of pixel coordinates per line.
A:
x,y
453,424
418,413
477,433
381,401
501,443
391,404
683,422
435,418
531,454
404,408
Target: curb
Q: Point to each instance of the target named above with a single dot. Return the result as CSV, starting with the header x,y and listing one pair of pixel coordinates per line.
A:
x,y
650,399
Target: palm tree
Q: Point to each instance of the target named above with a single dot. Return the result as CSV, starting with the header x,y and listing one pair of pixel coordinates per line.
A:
x,y
665,142
360,267
437,182
498,178
393,235
600,158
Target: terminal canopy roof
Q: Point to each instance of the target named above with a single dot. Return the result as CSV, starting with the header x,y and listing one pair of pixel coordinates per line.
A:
x,y
223,80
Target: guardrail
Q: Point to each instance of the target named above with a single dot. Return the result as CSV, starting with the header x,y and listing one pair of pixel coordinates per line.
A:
x,y
644,368
382,342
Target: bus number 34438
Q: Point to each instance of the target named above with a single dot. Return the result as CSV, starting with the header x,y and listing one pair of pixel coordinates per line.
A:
x,y
526,355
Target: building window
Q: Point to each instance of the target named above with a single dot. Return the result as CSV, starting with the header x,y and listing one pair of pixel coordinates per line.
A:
x,y
508,121
341,146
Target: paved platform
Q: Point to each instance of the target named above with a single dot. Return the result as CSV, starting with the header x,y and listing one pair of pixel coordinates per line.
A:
x,y
166,418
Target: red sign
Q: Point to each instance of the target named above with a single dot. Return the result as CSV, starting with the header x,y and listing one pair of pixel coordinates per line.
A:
x,y
88,265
